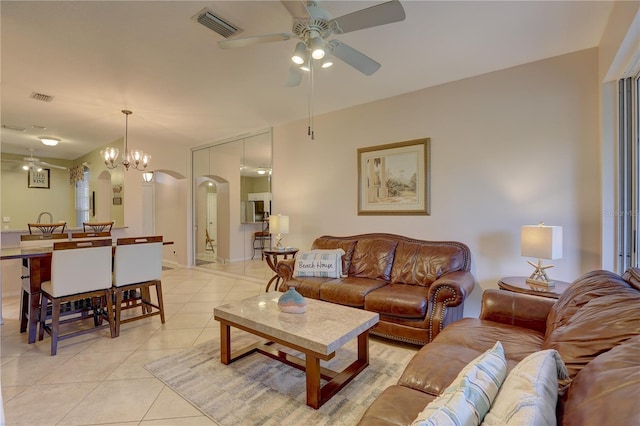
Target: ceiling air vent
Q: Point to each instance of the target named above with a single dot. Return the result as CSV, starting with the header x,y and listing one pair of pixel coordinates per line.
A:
x,y
216,23
41,97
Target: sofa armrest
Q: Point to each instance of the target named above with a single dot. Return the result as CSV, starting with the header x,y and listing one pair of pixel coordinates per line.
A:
x,y
446,299
522,310
451,289
284,269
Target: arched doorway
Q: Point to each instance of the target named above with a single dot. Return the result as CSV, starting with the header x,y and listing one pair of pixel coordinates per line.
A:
x,y
212,218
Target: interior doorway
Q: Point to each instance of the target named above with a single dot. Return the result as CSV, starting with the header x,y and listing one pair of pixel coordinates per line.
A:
x,y
212,221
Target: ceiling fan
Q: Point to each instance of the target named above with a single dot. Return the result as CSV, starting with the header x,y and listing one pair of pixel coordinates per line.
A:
x,y
313,25
32,163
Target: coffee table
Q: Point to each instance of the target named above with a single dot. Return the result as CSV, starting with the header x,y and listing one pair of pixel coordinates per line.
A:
x,y
317,333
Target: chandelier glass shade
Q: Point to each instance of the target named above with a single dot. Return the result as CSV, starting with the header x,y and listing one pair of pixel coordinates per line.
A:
x,y
135,158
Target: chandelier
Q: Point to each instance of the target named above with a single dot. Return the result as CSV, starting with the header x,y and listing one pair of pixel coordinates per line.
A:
x,y
135,158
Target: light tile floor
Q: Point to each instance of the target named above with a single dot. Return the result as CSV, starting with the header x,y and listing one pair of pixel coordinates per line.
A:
x,y
98,380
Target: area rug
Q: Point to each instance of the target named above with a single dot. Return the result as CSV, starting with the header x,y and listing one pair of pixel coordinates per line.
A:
x,y
257,390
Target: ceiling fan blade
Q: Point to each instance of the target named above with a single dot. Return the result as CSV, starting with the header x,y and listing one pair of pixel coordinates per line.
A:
x,y
55,166
297,9
295,76
353,57
250,41
385,13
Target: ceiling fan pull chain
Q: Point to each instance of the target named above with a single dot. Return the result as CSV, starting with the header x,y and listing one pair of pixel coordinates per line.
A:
x,y
311,132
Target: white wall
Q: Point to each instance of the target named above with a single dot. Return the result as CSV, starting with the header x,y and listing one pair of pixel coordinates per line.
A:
x,y
171,197
508,148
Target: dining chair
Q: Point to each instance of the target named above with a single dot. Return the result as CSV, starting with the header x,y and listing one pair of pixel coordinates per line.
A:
x,y
137,266
208,241
80,270
47,228
28,300
98,226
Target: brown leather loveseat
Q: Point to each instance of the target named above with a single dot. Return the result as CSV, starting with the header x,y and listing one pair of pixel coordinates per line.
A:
x,y
417,287
594,326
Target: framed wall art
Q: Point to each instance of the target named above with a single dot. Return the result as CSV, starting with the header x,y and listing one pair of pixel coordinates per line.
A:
x,y
39,179
393,179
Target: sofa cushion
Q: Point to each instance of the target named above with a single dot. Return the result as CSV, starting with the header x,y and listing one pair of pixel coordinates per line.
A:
x,y
399,300
468,399
396,405
373,258
530,393
421,264
597,312
318,263
306,286
611,380
328,243
458,344
348,291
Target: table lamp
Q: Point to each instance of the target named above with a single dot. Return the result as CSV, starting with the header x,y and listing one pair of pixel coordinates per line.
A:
x,y
543,242
278,225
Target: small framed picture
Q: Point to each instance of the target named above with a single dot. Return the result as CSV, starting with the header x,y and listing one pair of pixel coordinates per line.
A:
x,y
117,201
38,179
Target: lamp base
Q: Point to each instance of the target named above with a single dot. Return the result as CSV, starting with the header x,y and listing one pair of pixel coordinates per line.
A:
x,y
540,283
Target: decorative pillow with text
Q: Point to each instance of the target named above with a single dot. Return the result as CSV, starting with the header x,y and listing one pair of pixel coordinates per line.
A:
x,y
318,263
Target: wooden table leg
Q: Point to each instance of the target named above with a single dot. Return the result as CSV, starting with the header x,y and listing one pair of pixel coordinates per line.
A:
x,y
314,392
225,344
363,348
275,278
34,297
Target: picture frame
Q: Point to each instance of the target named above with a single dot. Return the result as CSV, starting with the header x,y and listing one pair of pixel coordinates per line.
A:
x,y
39,179
117,201
393,179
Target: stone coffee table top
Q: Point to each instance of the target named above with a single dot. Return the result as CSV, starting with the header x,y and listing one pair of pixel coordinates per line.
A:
x,y
322,329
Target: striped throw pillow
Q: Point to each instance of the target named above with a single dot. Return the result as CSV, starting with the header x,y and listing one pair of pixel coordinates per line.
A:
x,y
468,398
318,263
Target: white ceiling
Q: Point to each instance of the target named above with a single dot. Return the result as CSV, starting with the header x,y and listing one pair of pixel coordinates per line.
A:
x,y
99,57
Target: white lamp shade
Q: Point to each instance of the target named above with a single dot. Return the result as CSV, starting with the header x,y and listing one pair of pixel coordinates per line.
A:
x,y
542,242
279,224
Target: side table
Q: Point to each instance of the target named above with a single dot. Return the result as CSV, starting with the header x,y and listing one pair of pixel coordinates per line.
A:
x,y
271,256
520,285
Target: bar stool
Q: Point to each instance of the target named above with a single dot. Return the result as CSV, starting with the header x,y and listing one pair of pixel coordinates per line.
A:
x,y
80,270
137,265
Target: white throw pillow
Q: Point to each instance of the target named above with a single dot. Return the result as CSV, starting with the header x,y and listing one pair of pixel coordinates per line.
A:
x,y
318,263
530,393
468,398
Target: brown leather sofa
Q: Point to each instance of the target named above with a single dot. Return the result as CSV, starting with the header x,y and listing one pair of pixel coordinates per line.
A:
x,y
417,287
595,327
